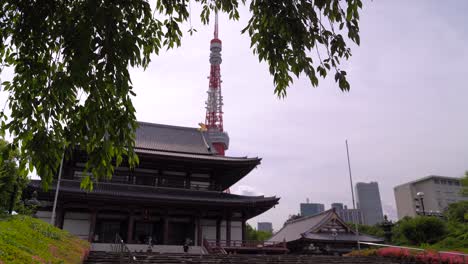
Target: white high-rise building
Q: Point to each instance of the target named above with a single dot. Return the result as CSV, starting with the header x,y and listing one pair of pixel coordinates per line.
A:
x,y
435,194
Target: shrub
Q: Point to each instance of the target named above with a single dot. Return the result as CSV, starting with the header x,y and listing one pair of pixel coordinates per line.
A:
x,y
422,229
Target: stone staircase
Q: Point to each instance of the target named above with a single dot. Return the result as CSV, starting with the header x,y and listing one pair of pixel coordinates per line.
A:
x,y
99,257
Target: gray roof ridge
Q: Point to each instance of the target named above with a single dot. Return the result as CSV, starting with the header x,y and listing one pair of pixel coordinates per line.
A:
x,y
300,220
167,126
308,217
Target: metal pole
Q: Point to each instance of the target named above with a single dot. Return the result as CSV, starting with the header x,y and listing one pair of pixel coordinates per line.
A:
x,y
52,218
352,194
422,205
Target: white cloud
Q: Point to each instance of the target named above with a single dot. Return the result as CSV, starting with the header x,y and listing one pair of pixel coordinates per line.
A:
x,y
247,190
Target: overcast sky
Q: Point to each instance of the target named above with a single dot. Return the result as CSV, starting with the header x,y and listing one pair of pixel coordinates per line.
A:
x,y
405,116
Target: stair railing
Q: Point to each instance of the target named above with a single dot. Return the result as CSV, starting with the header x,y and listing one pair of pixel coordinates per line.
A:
x,y
122,249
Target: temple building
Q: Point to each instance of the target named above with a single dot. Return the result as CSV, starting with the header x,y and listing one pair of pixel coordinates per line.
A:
x,y
177,192
323,233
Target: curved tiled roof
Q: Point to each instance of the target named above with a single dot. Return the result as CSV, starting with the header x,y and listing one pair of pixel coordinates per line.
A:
x,y
308,227
158,193
160,137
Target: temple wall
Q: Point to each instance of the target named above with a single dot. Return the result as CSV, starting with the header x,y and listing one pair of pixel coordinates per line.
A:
x,y
77,224
44,215
236,230
209,229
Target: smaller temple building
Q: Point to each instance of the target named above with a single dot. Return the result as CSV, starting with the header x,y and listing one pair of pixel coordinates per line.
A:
x,y
323,233
176,193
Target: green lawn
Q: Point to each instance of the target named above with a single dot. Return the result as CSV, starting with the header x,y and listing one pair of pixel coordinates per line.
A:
x,y
28,240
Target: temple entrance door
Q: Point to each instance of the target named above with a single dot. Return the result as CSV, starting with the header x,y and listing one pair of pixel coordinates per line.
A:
x,y
107,230
145,229
179,231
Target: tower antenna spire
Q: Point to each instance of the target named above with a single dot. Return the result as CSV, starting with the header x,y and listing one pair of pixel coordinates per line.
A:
x,y
214,103
216,24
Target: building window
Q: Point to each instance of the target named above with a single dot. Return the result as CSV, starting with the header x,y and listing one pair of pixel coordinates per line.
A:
x,y
457,183
144,180
449,182
199,185
436,181
443,182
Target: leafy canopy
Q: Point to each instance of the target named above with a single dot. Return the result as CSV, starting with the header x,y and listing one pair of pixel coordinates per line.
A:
x,y
257,235
72,87
419,230
12,182
464,183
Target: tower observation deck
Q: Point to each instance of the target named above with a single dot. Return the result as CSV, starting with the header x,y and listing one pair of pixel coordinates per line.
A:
x,y
214,103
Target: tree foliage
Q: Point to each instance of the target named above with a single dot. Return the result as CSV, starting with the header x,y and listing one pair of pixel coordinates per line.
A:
x,y
374,230
71,83
256,235
419,230
11,181
458,212
464,183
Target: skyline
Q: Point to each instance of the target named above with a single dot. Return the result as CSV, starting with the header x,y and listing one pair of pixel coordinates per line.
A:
x,y
404,117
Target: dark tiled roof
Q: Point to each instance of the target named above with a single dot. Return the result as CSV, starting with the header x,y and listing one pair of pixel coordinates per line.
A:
x,y
158,194
200,156
306,227
172,139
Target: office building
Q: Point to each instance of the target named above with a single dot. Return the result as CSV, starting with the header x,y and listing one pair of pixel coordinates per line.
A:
x,y
368,201
435,194
308,209
348,215
337,206
265,226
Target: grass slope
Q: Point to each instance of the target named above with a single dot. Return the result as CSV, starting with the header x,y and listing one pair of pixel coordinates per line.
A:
x,y
25,239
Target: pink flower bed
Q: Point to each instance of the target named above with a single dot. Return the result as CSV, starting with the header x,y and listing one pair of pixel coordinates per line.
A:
x,y
423,257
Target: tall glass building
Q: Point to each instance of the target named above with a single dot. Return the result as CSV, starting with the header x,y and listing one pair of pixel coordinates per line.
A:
x,y
368,201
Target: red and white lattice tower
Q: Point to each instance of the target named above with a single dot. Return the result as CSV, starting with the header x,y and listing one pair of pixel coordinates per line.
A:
x,y
214,104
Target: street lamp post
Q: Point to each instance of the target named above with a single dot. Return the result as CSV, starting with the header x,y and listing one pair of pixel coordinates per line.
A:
x,y
421,198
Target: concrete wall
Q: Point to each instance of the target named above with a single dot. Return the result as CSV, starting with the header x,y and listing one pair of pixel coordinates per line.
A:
x,y
77,224
404,201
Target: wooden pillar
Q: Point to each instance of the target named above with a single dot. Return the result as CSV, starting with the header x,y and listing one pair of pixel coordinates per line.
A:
x,y
244,230
188,180
199,230
131,223
92,225
218,231
166,229
228,230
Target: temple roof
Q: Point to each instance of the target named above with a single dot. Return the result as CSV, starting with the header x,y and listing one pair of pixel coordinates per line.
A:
x,y
180,142
317,227
151,195
167,138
